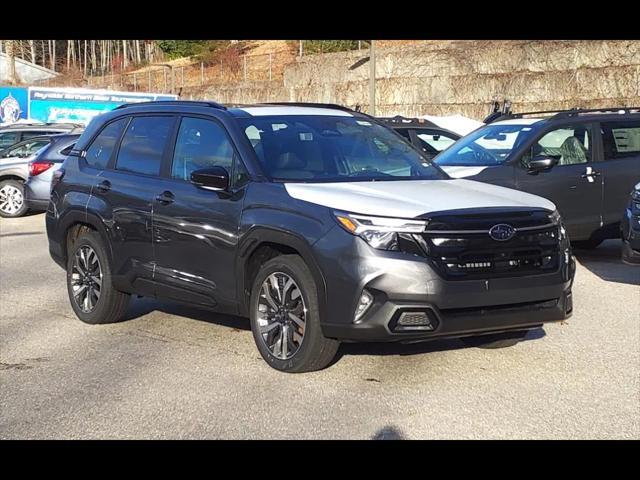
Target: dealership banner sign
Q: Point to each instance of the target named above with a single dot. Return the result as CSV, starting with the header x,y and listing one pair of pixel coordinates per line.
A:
x,y
80,105
14,104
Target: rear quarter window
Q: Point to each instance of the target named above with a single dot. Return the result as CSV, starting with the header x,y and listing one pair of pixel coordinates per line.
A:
x,y
621,139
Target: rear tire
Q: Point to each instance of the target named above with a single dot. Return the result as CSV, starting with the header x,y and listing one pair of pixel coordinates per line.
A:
x,y
496,340
91,293
284,287
12,202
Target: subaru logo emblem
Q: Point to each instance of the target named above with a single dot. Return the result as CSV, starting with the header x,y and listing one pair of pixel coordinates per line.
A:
x,y
502,232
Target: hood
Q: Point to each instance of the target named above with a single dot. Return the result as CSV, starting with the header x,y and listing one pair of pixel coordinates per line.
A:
x,y
412,198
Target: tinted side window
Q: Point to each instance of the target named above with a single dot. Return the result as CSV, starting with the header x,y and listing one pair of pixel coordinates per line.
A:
x,y
570,144
67,150
621,139
27,148
99,153
200,144
143,145
436,141
8,138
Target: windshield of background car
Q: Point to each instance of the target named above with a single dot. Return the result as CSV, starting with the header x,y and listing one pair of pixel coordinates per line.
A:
x,y
323,148
489,145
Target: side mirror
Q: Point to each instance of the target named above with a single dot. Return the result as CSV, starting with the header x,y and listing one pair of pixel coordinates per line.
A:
x,y
212,178
540,163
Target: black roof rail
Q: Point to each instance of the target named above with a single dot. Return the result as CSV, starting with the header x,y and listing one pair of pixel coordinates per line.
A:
x,y
568,112
399,119
195,103
332,106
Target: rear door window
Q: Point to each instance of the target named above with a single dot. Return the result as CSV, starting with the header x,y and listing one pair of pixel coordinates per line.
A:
x,y
99,153
8,138
27,148
143,145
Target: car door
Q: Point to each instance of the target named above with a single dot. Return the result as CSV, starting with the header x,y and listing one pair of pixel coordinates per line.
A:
x,y
126,189
620,167
196,229
573,184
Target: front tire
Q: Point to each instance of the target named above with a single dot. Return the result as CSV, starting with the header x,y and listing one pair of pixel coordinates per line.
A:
x,y
496,340
285,317
12,204
91,293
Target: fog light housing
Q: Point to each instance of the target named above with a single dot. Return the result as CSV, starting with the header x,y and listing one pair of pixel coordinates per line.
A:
x,y
364,302
421,321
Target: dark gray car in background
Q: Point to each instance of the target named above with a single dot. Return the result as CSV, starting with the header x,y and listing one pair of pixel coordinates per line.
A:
x,y
42,168
585,161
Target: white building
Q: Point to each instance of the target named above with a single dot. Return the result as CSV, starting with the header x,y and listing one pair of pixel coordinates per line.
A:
x,y
26,72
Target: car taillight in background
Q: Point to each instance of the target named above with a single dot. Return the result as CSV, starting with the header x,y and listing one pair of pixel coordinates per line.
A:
x,y
36,168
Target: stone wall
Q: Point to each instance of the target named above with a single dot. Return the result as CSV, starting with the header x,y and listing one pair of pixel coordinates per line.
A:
x,y
447,77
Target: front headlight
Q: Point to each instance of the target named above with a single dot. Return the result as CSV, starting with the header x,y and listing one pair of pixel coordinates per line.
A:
x,y
379,232
555,217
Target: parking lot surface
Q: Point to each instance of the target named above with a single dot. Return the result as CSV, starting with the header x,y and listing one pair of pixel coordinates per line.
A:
x,y
172,371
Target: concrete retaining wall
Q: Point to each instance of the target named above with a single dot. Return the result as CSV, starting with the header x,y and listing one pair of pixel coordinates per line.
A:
x,y
446,77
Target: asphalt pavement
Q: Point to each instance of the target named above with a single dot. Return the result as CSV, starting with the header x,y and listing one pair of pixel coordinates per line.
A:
x,y
172,371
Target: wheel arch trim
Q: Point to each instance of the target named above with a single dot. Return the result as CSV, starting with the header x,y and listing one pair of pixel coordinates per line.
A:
x,y
258,236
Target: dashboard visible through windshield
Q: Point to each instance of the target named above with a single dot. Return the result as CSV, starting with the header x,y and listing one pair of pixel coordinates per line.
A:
x,y
325,148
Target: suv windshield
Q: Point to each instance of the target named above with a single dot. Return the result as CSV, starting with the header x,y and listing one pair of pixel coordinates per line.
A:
x,y
319,148
489,145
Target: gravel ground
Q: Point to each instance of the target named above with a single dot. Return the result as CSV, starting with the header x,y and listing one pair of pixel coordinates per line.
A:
x,y
176,372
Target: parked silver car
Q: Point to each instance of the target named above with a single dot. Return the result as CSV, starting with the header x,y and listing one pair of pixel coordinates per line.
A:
x,y
42,168
14,171
12,134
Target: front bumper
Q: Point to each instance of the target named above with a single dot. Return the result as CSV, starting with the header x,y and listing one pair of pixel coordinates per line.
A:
x,y
400,282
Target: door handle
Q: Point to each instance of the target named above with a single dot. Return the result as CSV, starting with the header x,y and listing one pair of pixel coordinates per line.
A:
x,y
590,173
165,198
104,186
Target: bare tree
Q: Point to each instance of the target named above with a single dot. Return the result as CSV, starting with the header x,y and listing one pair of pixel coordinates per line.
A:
x,y
53,55
11,61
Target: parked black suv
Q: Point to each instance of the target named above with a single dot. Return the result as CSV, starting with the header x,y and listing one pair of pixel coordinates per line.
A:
x,y
584,161
318,223
422,133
